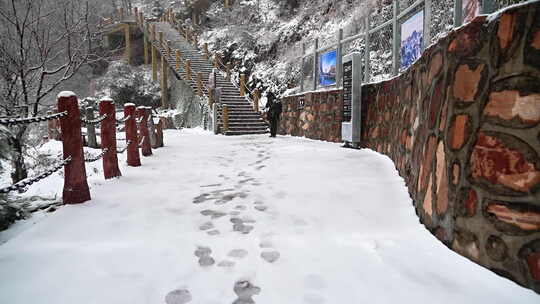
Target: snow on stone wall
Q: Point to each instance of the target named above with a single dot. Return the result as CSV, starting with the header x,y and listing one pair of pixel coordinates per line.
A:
x,y
462,126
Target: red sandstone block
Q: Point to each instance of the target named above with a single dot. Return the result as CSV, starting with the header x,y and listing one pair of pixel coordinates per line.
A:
x,y
497,163
507,27
442,180
525,220
458,131
508,105
533,261
466,82
536,40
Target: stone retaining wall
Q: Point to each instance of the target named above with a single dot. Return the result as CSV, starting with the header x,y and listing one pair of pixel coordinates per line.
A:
x,y
462,126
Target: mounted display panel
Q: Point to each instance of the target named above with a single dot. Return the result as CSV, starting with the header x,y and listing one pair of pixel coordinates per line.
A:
x,y
351,126
412,39
470,9
327,68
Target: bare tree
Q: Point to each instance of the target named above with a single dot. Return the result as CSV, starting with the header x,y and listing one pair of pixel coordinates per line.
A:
x,y
43,43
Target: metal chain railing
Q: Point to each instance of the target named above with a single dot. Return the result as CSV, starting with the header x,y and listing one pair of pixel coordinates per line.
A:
x,y
123,120
29,120
94,121
96,158
27,182
125,148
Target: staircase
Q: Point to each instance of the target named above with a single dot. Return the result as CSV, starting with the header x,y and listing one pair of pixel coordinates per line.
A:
x,y
242,118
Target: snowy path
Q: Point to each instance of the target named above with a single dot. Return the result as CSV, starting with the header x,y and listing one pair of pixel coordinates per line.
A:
x,y
339,222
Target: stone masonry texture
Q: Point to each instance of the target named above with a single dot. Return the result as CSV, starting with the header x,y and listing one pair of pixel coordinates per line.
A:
x,y
462,126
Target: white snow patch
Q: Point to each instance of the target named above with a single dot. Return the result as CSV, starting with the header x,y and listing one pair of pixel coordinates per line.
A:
x,y
66,94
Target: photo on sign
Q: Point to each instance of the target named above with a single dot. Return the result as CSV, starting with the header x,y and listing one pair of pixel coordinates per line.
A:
x,y
470,9
412,39
327,68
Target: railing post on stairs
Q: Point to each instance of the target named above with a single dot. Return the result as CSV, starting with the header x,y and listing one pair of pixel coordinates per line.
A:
x,y
225,119
90,129
128,43
75,185
200,84
144,137
154,63
153,26
160,38
188,68
164,84
256,96
136,14
108,138
216,63
206,55
133,157
242,85
141,18
167,48
210,97
146,51
228,71
178,55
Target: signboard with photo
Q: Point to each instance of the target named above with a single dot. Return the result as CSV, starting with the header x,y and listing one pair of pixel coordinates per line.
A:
x,y
327,68
412,39
470,9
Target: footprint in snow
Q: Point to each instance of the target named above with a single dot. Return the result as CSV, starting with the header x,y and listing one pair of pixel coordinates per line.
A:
x,y
237,253
245,292
270,256
178,296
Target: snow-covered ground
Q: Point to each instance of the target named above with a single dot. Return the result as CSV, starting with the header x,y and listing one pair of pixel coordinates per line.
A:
x,y
302,221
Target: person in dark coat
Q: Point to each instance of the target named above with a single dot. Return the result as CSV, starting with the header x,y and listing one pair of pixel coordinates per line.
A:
x,y
274,112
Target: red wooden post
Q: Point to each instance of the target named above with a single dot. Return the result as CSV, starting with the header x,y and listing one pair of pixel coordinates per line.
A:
x,y
133,157
144,135
75,185
159,131
108,139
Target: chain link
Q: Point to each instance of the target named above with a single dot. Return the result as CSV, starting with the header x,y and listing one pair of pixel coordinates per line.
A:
x,y
27,182
21,121
94,121
98,157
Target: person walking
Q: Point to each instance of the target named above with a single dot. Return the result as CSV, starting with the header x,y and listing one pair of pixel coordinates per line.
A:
x,y
274,112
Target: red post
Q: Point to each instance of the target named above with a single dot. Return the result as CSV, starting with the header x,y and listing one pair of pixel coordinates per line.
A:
x,y
133,157
144,135
76,189
108,139
159,131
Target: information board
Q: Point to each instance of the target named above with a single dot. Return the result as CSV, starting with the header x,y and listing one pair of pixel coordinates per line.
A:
x,y
347,90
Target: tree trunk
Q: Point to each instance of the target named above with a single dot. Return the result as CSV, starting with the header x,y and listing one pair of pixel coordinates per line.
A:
x,y
17,160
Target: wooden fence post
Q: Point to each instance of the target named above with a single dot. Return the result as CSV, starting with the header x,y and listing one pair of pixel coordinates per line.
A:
x,y
242,85
225,119
210,97
91,129
160,34
152,130
228,71
146,51
75,185
164,84
128,43
133,157
154,63
205,47
178,55
159,131
144,136
256,100
199,84
188,68
108,139
216,64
